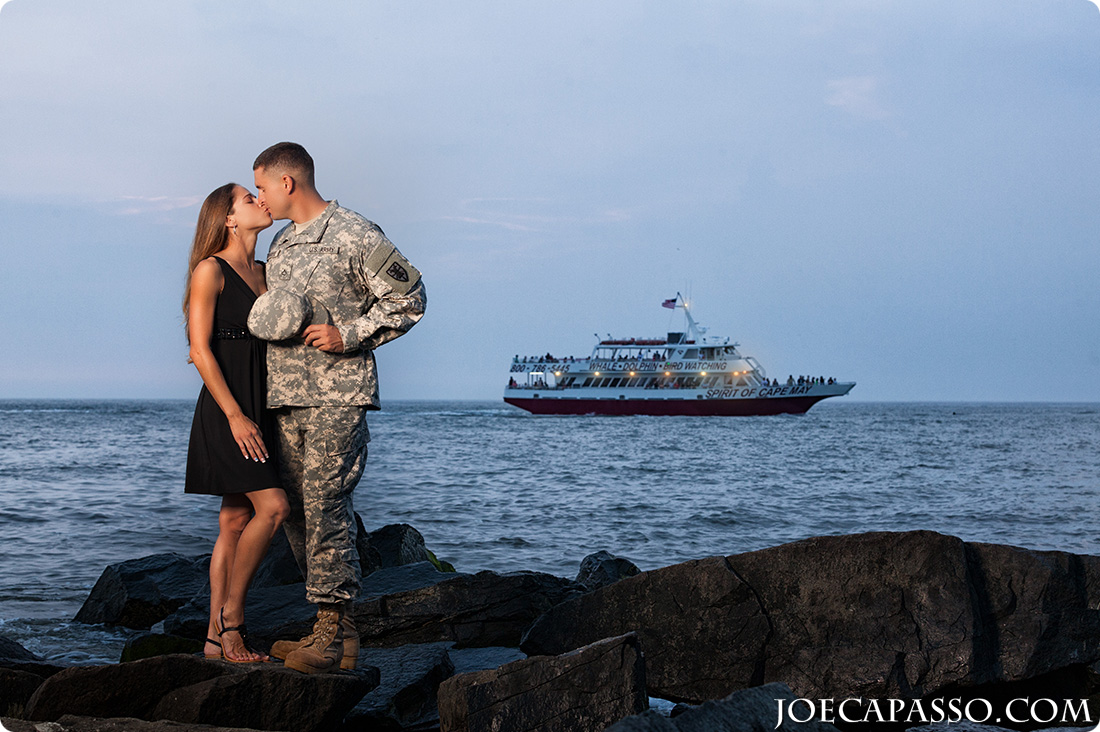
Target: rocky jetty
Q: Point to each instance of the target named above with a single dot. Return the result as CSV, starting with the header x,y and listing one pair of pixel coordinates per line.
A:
x,y
880,615
908,616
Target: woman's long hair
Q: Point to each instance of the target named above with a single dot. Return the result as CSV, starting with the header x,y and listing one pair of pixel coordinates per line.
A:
x,y
211,236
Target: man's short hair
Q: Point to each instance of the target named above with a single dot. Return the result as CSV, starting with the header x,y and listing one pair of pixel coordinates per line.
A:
x,y
289,158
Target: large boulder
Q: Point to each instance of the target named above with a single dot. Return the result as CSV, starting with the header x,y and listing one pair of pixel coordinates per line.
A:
x,y
406,696
479,659
16,657
603,568
268,696
147,645
282,611
190,689
875,615
581,691
756,709
285,613
485,609
118,690
141,592
267,610
16,689
392,546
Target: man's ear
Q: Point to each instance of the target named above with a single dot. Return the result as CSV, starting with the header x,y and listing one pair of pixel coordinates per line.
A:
x,y
289,184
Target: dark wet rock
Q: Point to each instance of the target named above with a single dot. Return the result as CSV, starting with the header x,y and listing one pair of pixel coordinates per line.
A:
x,y
406,696
140,592
485,609
278,566
71,723
268,696
749,709
398,544
876,615
279,612
285,614
586,689
479,659
267,611
701,626
190,689
393,545
118,690
16,689
404,578
603,568
148,645
16,657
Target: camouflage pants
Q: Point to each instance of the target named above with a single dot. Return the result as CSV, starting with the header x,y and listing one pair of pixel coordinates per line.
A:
x,y
322,451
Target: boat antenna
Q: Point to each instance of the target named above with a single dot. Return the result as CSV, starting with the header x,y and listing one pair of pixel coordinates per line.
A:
x,y
693,329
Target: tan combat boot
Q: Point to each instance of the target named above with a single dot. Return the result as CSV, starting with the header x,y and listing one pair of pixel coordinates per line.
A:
x,y
284,648
325,649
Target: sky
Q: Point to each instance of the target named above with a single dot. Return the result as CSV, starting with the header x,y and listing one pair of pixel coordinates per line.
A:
x,y
900,194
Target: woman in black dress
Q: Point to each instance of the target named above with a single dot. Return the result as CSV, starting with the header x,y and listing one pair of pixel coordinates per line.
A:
x,y
229,453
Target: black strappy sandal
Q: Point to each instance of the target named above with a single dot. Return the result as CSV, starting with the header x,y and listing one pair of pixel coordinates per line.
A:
x,y
215,656
222,630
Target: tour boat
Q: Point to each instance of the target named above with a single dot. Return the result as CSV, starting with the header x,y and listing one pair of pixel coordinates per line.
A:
x,y
686,373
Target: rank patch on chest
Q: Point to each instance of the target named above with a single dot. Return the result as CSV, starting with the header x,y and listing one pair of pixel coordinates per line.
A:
x,y
284,273
398,272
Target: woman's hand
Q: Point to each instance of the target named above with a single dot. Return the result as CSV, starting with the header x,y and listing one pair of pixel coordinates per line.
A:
x,y
248,437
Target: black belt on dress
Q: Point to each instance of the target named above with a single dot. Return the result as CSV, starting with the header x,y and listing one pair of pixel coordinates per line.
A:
x,y
232,334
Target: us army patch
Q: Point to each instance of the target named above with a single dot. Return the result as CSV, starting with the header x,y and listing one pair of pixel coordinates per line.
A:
x,y
398,273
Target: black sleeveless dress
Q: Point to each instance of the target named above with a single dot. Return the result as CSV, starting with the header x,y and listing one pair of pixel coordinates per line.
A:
x,y
215,464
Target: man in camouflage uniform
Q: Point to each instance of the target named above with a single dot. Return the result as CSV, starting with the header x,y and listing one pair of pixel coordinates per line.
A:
x,y
322,383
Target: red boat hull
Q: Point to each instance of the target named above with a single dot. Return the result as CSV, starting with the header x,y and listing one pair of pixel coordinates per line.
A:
x,y
669,407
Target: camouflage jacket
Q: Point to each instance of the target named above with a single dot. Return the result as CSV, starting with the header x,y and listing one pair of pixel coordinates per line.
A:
x,y
372,295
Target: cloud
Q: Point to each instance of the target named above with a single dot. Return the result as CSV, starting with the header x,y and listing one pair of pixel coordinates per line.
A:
x,y
136,205
494,212
856,95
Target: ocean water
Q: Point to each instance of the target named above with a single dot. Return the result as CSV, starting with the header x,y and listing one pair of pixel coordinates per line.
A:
x,y
85,484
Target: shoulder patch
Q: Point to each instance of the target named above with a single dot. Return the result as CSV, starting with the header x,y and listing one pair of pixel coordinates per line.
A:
x,y
398,273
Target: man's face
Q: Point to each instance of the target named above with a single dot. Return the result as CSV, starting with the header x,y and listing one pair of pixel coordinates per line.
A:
x,y
273,193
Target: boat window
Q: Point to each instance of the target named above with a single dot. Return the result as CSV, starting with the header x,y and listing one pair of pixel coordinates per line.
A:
x,y
742,382
587,382
711,380
691,353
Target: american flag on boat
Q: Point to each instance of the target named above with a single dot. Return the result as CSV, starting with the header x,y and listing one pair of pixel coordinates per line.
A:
x,y
671,304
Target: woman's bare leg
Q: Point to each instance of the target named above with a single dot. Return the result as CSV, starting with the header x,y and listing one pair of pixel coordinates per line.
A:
x,y
271,508
233,518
